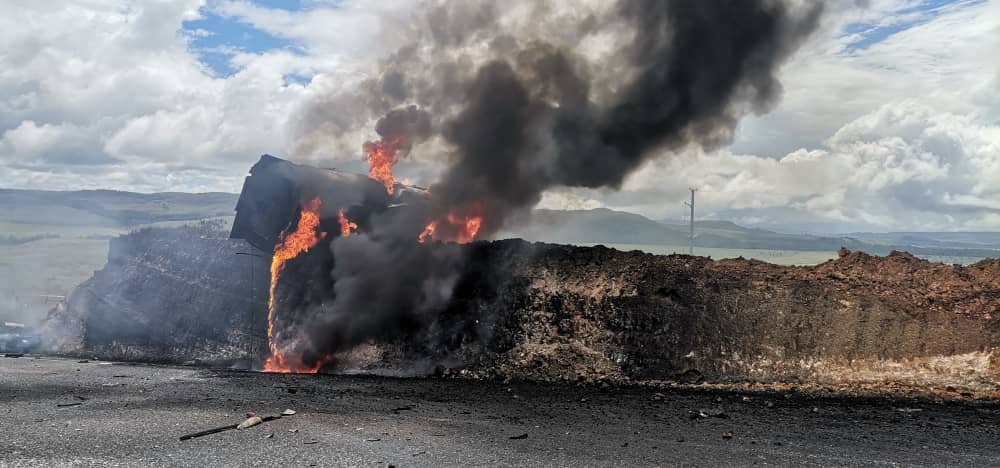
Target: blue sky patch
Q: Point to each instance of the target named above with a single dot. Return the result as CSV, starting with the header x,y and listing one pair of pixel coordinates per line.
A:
x,y
216,39
298,79
871,33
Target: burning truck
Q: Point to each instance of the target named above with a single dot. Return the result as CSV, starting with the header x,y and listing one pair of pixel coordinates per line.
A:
x,y
288,210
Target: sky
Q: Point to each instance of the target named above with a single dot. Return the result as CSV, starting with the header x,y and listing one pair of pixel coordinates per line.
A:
x,y
889,118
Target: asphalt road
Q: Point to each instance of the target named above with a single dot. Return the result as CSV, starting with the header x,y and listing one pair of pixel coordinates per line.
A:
x,y
133,415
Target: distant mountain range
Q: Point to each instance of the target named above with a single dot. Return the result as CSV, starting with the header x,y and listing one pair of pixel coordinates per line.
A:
x,y
616,227
109,208
602,225
954,240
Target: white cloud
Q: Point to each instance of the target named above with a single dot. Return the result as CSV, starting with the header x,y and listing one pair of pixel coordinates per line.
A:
x,y
114,84
33,144
902,166
827,84
348,30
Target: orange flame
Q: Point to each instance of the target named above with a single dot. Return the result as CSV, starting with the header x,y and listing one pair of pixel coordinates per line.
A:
x,y
291,245
382,155
455,227
346,226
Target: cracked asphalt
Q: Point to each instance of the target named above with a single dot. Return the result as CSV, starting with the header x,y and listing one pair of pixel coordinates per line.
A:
x,y
61,412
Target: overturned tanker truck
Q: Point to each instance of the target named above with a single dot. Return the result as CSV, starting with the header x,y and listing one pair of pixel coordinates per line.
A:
x,y
276,190
294,212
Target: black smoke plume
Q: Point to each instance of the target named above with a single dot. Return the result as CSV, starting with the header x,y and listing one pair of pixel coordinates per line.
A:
x,y
518,114
529,124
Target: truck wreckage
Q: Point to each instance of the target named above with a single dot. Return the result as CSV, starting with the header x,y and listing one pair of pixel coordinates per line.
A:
x,y
540,311
276,189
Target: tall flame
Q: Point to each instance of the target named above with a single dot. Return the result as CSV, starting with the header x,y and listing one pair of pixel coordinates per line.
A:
x,y
382,155
291,245
346,226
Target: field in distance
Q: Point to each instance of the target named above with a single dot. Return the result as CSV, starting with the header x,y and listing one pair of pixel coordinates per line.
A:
x,y
777,257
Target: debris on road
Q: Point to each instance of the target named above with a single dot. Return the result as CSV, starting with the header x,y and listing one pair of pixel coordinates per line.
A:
x,y
65,405
519,437
310,442
250,422
288,412
658,396
13,355
727,435
208,432
705,414
372,440
269,435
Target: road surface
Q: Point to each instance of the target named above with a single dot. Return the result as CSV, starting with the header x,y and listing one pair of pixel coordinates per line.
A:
x,y
134,415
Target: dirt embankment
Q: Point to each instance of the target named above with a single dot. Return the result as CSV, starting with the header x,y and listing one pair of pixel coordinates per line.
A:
x,y
169,295
567,312
551,312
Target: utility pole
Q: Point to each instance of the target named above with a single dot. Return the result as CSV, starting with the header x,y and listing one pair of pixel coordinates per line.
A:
x,y
691,236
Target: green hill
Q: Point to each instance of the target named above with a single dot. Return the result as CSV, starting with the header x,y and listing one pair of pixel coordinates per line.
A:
x,y
604,226
109,208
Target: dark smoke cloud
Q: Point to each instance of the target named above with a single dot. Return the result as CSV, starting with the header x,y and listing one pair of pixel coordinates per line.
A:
x,y
531,125
385,290
520,110
410,122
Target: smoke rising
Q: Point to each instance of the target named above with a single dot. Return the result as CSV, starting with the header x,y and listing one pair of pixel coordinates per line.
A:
x,y
520,98
698,67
